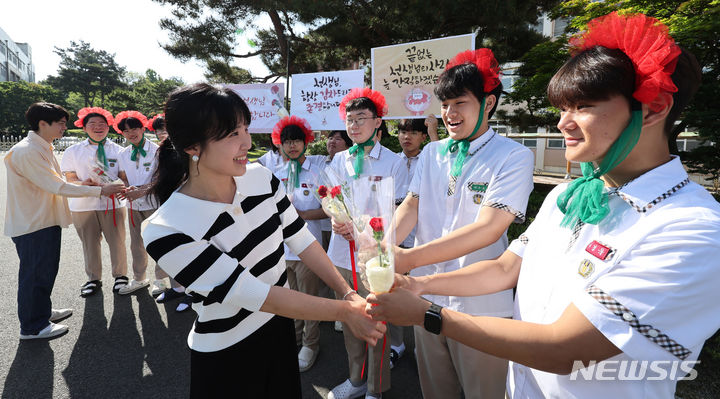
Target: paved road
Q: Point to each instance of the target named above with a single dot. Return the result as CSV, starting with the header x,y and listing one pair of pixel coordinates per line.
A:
x,y
127,346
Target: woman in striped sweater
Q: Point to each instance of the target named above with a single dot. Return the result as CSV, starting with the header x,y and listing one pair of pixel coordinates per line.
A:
x,y
220,232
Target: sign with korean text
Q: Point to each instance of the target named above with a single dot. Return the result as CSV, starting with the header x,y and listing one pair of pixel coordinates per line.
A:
x,y
316,96
264,101
406,73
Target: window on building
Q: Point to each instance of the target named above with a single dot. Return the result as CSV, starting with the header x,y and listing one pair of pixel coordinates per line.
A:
x,y
3,72
556,143
530,143
3,49
680,145
691,144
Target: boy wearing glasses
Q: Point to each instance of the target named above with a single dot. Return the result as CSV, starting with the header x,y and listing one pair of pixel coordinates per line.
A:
x,y
362,110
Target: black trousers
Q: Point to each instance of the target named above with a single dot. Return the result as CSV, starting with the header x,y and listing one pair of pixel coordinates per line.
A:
x,y
263,365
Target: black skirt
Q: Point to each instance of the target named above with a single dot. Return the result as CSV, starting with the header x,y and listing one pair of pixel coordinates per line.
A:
x,y
263,365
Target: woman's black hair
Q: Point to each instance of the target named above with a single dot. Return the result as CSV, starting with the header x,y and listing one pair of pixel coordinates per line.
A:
x,y
599,73
462,78
158,123
90,115
292,132
42,111
194,114
343,134
130,123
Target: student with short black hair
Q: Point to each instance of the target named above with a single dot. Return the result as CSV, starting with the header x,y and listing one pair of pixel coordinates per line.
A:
x,y
35,213
219,232
97,157
617,282
157,125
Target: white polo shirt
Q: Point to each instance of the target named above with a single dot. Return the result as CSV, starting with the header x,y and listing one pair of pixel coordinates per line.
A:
x,y
646,277
303,197
497,174
379,162
410,163
326,224
271,160
140,172
80,158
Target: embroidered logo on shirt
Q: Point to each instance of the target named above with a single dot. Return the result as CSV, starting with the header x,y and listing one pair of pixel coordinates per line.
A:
x,y
586,268
600,251
306,192
477,198
479,187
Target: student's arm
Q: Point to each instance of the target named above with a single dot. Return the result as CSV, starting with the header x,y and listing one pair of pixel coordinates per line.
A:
x,y
489,226
406,217
432,124
38,171
122,176
548,347
312,214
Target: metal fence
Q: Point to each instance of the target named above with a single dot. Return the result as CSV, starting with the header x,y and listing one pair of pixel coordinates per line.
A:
x,y
6,142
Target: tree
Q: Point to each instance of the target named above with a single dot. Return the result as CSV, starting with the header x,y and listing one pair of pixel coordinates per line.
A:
x,y
16,97
145,93
93,74
340,32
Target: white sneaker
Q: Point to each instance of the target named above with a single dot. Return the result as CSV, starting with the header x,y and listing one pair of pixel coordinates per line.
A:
x,y
338,326
52,330
158,287
59,314
306,358
346,390
133,286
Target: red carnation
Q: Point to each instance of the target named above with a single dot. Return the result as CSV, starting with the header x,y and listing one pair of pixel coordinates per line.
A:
x,y
335,191
322,191
376,224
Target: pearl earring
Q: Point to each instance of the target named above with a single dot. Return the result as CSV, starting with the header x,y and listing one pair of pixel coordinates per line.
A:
x,y
195,158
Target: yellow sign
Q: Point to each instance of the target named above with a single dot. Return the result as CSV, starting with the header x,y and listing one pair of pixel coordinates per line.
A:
x,y
406,73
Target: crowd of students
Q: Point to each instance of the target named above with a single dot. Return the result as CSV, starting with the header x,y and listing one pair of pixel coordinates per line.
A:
x,y
604,272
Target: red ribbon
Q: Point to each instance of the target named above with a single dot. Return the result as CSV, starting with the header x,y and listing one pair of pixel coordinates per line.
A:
x,y
131,218
352,263
112,197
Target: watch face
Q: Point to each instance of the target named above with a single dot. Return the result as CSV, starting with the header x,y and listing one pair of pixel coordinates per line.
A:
x,y
433,319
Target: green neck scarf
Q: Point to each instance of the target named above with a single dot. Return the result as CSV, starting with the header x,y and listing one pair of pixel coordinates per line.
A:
x,y
359,151
585,198
101,150
294,168
137,149
462,145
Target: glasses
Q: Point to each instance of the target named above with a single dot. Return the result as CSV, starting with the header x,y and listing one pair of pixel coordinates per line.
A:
x,y
359,121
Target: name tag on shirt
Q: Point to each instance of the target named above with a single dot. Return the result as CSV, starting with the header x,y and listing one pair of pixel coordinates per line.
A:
x,y
600,251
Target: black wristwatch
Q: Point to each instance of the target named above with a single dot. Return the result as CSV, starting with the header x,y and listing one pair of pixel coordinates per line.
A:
x,y
433,318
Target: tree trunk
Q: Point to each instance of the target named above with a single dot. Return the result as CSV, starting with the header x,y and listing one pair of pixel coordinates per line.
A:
x,y
280,33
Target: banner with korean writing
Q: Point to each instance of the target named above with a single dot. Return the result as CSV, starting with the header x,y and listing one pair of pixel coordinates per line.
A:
x,y
406,73
264,101
316,96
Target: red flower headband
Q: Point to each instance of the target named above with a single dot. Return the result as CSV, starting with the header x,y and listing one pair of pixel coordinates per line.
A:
x,y
485,62
375,96
292,120
647,43
129,114
93,110
149,124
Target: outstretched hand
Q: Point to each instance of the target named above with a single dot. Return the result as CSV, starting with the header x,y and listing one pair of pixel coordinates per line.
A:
x,y
112,188
400,306
361,324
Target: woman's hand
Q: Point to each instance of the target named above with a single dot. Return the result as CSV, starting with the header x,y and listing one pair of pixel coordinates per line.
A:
x,y
400,306
361,325
343,229
132,193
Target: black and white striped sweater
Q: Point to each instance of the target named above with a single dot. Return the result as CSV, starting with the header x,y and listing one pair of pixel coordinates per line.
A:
x,y
227,255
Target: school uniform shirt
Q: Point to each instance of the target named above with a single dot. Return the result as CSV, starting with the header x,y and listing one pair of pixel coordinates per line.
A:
x,y
227,255
36,189
271,160
81,158
379,162
304,197
497,173
410,162
140,172
646,277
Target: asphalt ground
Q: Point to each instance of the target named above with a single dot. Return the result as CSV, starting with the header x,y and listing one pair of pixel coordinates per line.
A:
x,y
129,346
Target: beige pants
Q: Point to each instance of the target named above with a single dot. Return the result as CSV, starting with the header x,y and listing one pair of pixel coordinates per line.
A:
x,y
301,278
137,247
89,226
357,353
446,368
